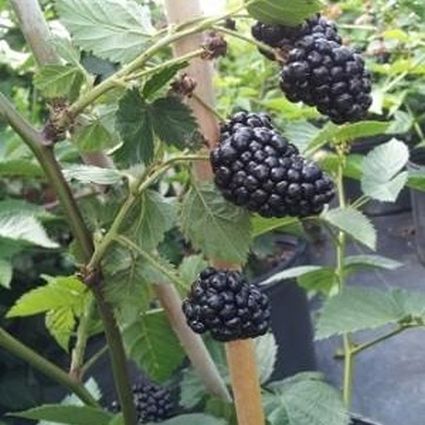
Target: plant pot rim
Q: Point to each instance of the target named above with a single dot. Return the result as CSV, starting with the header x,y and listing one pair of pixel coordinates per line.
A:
x,y
366,421
300,245
417,159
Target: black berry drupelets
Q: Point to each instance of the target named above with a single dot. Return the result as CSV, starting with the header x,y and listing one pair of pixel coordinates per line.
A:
x,y
283,37
318,70
224,304
256,168
153,403
332,77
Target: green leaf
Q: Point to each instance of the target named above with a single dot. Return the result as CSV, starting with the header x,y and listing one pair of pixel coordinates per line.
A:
x,y
92,174
163,271
117,420
262,226
192,391
65,48
25,228
117,30
361,262
72,400
6,272
323,280
152,344
353,165
58,293
301,133
282,12
19,206
402,123
348,132
416,180
167,118
161,78
266,356
134,124
291,273
72,415
20,168
61,324
356,309
173,121
93,136
382,179
59,81
353,223
312,278
128,289
220,229
194,419
157,216
305,400
191,267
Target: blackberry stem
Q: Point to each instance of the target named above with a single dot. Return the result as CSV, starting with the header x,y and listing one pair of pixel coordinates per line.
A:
x,y
43,151
208,107
340,253
92,361
166,64
249,40
245,383
92,95
76,369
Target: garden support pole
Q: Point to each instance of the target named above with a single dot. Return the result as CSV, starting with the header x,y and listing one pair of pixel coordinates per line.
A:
x,y
240,354
192,343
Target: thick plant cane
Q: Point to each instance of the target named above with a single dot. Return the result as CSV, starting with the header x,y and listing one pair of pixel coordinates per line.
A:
x,y
240,354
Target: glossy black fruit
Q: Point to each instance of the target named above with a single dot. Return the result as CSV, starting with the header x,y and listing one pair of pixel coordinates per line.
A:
x,y
224,304
153,403
283,37
331,77
260,170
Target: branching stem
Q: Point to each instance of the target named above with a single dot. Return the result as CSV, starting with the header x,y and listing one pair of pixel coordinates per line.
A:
x,y
340,253
93,360
243,37
93,94
164,65
79,350
43,150
136,191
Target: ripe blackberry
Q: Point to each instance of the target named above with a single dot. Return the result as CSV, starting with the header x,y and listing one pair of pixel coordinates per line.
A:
x,y
223,303
332,77
255,168
153,403
283,37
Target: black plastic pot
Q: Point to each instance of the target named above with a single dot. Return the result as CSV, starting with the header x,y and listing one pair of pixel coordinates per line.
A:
x,y
417,164
291,320
353,187
357,420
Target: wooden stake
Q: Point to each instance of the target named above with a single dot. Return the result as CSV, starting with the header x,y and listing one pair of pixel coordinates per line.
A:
x,y
245,382
240,354
193,344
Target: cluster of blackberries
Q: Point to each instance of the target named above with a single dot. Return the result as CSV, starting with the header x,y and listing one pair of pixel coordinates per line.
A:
x,y
223,303
283,38
319,71
153,403
256,168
